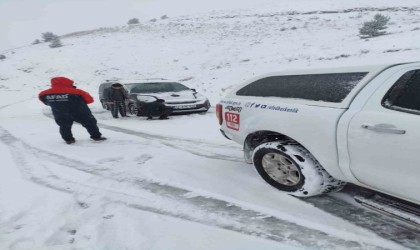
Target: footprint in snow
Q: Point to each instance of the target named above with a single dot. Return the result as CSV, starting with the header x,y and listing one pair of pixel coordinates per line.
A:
x,y
109,216
143,159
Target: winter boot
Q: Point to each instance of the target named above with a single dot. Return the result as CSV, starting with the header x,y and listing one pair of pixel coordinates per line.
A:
x,y
70,141
101,138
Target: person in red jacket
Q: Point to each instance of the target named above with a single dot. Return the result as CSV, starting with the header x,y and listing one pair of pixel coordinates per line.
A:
x,y
68,105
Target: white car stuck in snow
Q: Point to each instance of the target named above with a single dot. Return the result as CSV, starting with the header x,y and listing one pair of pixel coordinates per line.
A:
x,y
176,95
310,132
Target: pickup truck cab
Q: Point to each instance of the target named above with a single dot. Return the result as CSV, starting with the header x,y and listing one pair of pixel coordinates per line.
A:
x,y
309,132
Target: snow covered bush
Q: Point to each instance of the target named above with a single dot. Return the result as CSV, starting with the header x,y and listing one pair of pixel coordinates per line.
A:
x,y
56,43
375,27
133,21
36,41
48,36
2,57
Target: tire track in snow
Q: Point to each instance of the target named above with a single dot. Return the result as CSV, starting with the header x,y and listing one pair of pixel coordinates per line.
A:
x,y
191,146
194,147
14,103
384,226
204,210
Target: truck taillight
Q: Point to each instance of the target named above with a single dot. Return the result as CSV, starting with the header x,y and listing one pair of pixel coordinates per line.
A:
x,y
219,113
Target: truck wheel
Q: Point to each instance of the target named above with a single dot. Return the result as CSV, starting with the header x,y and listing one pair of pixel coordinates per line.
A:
x,y
291,168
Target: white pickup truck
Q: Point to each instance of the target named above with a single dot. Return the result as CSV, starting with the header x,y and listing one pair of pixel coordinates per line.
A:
x,y
309,132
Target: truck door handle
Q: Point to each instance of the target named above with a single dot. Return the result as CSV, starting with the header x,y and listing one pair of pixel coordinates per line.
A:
x,y
384,128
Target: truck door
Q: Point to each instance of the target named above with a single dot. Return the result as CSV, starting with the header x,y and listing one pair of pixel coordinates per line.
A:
x,y
384,138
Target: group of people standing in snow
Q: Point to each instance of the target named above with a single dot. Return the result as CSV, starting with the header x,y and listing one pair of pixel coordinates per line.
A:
x,y
116,96
69,105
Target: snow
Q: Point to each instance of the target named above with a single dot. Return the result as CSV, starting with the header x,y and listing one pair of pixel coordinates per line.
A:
x,y
178,183
389,209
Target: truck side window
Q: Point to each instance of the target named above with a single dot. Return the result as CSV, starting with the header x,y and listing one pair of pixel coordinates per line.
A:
x,y
332,87
404,95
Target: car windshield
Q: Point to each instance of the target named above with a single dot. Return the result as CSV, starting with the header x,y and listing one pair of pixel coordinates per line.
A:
x,y
156,87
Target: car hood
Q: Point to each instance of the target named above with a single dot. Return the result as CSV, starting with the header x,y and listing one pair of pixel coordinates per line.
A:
x,y
181,96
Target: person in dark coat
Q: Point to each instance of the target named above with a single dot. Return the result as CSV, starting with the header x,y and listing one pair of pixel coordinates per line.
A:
x,y
156,108
69,105
116,96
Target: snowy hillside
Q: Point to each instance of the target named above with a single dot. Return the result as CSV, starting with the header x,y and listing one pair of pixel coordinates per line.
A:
x,y
178,184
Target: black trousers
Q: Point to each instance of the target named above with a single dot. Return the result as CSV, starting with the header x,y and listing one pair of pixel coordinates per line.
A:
x,y
166,112
66,122
118,106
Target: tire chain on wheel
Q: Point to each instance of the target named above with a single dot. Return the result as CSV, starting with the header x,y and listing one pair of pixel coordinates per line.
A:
x,y
330,184
326,183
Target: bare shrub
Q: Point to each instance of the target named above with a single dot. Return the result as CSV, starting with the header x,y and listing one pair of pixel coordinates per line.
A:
x,y
133,21
56,43
48,36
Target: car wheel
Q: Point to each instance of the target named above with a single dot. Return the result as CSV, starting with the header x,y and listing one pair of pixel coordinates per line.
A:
x,y
292,169
104,105
132,109
207,105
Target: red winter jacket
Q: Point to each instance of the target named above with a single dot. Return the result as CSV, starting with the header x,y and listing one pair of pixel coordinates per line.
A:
x,y
63,85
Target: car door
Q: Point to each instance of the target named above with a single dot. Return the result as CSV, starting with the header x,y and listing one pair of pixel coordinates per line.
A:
x,y
384,138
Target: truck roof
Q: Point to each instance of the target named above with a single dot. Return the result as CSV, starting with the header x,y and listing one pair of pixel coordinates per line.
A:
x,y
342,69
371,70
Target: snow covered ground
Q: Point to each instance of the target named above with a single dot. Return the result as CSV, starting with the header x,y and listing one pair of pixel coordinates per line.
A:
x,y
178,184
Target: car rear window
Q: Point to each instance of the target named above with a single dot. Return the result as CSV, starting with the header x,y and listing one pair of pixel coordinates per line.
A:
x,y
156,87
317,87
